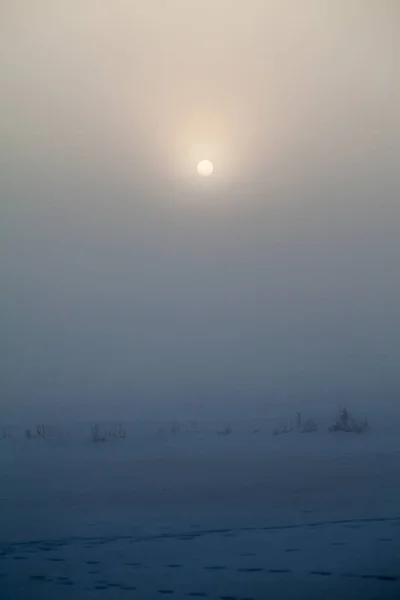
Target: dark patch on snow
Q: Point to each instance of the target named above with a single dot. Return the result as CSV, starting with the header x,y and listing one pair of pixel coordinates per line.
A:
x,y
39,578
127,588
280,571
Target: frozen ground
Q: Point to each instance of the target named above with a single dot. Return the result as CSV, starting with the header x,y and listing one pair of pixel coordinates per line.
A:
x,y
200,515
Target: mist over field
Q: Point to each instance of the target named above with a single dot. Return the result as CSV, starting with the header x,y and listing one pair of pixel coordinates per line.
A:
x,y
129,288
199,361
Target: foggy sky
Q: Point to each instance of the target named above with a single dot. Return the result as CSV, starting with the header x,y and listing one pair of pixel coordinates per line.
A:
x,y
129,288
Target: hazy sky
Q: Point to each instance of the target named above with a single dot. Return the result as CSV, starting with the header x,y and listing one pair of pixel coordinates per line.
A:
x,y
130,287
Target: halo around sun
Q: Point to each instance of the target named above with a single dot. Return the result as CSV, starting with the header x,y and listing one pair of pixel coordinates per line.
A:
x,y
205,168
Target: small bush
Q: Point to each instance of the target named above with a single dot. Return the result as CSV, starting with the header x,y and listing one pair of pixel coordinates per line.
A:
x,y
282,429
121,432
309,426
298,420
346,422
43,431
5,434
38,431
118,433
191,426
225,431
99,435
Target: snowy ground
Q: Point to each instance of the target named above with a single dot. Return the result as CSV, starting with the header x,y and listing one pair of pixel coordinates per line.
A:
x,y
200,515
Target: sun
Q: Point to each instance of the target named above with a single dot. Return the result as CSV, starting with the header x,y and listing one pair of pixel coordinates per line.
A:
x,y
205,168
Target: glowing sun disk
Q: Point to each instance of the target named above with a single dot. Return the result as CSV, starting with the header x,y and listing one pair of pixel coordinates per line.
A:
x,y
205,168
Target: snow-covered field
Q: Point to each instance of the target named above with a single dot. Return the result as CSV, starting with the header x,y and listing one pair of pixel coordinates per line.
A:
x,y
196,514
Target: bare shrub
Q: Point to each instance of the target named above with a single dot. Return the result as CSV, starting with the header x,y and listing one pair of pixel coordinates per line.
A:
x,y
29,434
298,420
307,426
282,429
121,432
102,435
41,431
5,434
177,427
191,426
97,435
346,422
118,433
225,431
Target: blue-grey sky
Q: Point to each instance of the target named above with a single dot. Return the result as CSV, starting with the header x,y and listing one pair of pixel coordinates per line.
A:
x,y
131,287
